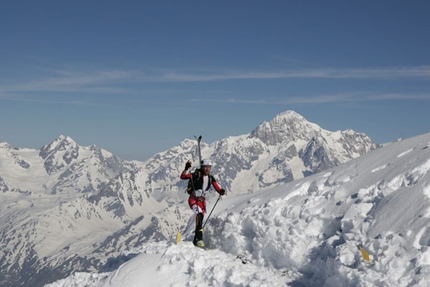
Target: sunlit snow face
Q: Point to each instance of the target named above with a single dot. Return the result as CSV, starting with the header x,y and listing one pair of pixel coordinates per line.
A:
x,y
206,169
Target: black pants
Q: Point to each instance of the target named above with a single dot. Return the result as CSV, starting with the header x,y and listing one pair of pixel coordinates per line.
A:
x,y
198,235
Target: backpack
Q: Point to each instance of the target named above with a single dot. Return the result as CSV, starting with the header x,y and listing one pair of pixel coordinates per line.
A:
x,y
193,181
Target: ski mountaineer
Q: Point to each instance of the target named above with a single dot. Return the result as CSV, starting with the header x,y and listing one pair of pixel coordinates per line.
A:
x,y
199,182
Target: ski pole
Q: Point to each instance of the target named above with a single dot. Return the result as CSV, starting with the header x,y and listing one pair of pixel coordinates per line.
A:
x,y
211,211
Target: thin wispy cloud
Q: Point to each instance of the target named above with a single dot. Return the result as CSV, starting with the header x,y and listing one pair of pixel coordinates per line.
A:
x,y
118,81
284,100
62,80
328,73
46,100
354,97
78,101
321,99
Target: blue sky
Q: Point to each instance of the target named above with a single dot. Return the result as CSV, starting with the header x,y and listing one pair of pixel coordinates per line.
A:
x,y
138,77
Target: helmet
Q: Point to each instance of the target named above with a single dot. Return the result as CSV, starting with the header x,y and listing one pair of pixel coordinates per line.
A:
x,y
206,162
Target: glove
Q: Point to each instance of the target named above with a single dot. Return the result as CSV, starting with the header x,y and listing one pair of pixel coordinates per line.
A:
x,y
188,165
221,191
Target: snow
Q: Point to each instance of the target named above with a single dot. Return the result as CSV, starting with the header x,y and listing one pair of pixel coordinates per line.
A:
x,y
304,233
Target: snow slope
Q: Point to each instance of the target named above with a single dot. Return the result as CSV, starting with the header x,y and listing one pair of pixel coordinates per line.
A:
x,y
303,233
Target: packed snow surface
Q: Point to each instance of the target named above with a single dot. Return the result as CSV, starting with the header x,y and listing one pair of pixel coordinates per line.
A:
x,y
304,233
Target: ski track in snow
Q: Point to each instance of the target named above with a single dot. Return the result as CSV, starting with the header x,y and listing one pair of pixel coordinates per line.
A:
x,y
305,233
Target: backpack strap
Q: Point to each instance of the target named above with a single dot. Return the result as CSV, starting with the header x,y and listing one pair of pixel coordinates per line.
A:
x,y
211,179
192,181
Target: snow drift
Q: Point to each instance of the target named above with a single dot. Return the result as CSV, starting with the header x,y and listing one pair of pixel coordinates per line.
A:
x,y
304,233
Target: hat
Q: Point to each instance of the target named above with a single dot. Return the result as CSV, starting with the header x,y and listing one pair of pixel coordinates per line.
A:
x,y
206,162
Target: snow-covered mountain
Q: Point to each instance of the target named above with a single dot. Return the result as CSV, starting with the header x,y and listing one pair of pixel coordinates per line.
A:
x,y
60,167
304,233
284,149
43,211
66,207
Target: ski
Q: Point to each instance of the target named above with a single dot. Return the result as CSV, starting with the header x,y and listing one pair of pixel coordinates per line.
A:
x,y
199,139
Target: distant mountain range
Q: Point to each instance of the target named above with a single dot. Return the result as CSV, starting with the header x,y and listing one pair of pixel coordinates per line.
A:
x,y
68,208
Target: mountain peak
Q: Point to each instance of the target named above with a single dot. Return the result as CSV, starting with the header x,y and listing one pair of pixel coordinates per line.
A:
x,y
5,145
287,125
59,143
290,114
66,139
289,117
63,148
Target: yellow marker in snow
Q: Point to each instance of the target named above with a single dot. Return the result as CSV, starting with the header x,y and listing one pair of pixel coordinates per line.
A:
x,y
364,254
178,237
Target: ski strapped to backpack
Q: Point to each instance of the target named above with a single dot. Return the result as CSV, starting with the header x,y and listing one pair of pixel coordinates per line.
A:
x,y
199,139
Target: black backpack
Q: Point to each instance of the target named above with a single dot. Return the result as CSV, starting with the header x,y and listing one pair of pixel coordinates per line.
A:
x,y
194,181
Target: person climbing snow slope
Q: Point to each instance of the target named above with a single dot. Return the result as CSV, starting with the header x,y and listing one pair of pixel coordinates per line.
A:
x,y
199,182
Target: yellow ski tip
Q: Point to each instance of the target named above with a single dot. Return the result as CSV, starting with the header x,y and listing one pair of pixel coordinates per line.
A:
x,y
364,254
178,237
